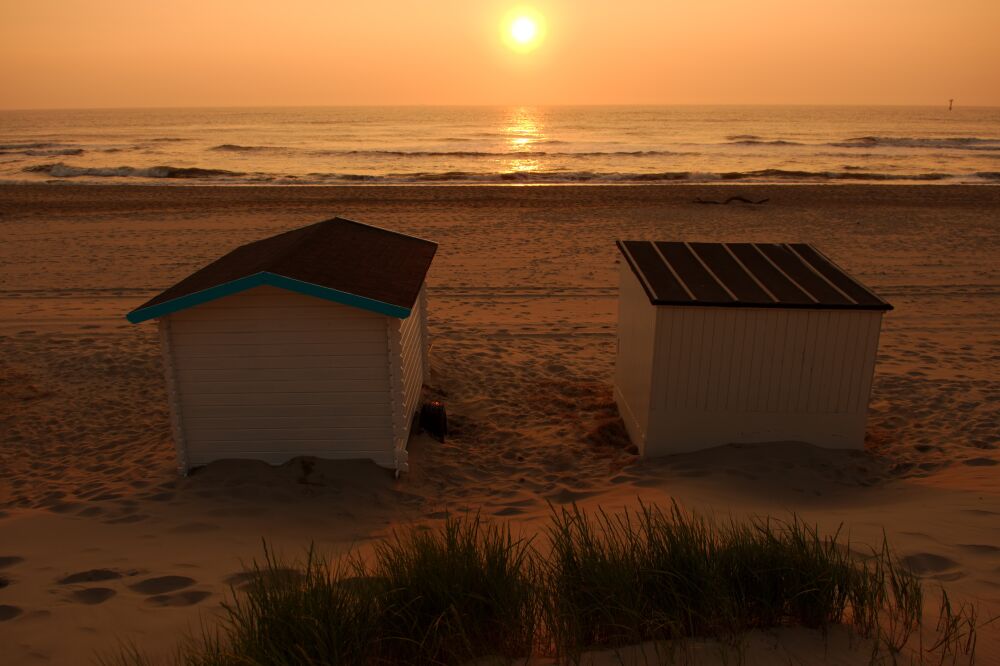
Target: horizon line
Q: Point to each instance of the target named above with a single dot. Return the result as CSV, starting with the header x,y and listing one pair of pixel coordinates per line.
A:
x,y
485,106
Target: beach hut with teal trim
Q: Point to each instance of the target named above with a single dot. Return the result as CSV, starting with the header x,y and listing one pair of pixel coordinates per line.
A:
x,y
309,343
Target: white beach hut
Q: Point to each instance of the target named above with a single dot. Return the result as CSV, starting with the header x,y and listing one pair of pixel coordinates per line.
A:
x,y
309,343
742,342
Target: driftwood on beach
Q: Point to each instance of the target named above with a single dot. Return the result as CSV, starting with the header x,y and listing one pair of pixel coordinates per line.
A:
x,y
731,200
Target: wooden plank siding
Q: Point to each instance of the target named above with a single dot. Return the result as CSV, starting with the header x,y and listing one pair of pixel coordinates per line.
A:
x,y
271,375
173,399
691,377
407,349
722,375
413,345
633,364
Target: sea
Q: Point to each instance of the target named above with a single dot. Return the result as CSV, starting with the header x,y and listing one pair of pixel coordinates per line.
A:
x,y
502,145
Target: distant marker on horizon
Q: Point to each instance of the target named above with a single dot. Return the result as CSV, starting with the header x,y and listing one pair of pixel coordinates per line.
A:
x,y
951,102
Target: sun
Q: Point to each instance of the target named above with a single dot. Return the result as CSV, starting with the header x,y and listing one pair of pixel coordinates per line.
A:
x,y
523,29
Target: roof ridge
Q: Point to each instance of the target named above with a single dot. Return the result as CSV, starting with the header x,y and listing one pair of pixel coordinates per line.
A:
x,y
395,232
305,235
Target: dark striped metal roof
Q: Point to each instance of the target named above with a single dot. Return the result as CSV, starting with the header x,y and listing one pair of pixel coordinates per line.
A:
x,y
758,275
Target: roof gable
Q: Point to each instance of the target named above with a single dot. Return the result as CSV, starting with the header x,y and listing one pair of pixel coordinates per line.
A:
x,y
337,260
761,275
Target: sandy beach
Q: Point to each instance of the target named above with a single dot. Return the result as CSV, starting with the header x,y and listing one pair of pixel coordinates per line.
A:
x,y
101,541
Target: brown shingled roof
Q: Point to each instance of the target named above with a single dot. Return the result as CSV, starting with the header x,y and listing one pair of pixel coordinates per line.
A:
x,y
375,266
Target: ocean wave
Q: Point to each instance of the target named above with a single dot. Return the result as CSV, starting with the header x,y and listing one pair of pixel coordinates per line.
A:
x,y
762,142
27,145
227,147
786,174
52,152
849,173
502,154
959,143
60,170
44,152
236,148
541,177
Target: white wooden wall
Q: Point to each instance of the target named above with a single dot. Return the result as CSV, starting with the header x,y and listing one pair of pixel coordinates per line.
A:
x,y
634,361
408,349
268,374
413,346
723,375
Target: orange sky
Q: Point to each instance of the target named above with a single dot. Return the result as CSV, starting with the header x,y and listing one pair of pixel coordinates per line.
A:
x,y
111,53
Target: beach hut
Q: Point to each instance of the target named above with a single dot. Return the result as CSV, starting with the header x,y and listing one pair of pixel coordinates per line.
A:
x,y
309,343
742,342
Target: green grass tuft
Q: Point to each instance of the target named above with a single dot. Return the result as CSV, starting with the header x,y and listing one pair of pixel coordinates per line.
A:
x,y
469,590
623,579
452,595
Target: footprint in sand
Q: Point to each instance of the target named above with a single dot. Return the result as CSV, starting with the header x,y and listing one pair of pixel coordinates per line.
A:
x,y
980,462
241,580
9,612
92,595
567,496
94,576
8,560
185,598
924,564
162,585
979,548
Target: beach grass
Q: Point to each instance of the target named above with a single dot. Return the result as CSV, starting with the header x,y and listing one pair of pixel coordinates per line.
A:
x,y
466,591
469,590
622,579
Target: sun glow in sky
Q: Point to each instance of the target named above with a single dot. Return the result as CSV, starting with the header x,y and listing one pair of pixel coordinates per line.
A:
x,y
523,29
111,53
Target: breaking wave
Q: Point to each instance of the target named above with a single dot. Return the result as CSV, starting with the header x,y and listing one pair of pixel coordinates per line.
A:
x,y
956,143
762,142
849,173
44,152
763,175
60,170
26,145
959,143
235,148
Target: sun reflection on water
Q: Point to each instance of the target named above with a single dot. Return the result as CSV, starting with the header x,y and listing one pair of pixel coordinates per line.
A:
x,y
522,131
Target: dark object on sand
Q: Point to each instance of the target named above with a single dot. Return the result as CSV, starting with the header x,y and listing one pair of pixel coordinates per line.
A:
x,y
730,200
434,419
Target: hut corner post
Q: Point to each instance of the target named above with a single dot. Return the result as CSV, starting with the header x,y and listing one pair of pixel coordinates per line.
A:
x,y
173,396
397,394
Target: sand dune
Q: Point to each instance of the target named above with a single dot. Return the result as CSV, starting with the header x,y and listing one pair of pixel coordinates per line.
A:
x,y
100,540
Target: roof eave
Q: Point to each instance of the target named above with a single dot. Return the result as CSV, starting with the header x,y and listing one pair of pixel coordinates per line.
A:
x,y
271,279
772,306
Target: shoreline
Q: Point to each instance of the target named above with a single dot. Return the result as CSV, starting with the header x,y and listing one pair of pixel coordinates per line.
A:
x,y
186,182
